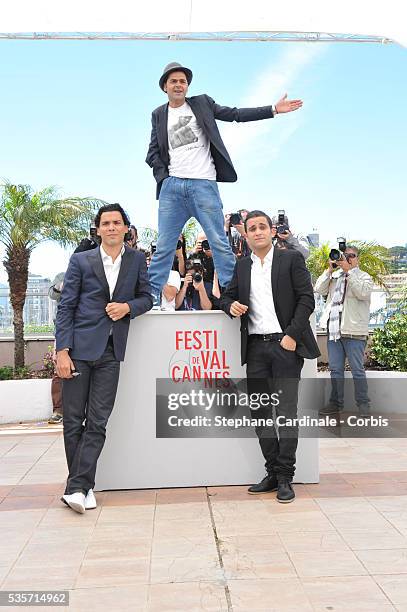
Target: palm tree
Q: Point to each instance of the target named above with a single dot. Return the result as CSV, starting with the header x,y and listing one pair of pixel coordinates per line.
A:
x,y
373,259
190,231
28,218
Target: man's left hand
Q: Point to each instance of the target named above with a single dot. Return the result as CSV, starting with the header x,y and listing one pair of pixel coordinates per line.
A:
x,y
288,343
287,106
116,310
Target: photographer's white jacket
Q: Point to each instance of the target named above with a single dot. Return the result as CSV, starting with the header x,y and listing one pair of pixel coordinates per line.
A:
x,y
356,305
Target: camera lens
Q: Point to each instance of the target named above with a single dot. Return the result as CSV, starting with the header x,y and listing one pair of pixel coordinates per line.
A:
x,y
335,255
197,277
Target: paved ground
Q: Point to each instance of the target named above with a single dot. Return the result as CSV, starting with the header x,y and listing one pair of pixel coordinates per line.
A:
x,y
342,545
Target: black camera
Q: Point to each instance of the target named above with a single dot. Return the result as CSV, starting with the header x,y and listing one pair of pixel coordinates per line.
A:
x,y
153,247
283,228
179,245
205,245
195,267
281,222
235,219
281,218
93,232
337,254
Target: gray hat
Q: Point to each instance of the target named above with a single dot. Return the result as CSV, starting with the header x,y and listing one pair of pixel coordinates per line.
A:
x,y
174,67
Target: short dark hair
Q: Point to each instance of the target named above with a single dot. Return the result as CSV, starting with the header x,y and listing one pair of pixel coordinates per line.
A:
x,y
112,208
257,213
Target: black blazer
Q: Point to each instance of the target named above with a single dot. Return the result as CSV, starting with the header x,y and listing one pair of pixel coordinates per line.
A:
x,y
206,111
82,324
293,298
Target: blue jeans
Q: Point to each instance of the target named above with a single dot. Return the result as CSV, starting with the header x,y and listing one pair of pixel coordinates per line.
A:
x,y
354,350
181,199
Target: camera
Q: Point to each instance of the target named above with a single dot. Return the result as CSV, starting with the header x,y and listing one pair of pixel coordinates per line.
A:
x,y
338,254
281,222
93,232
205,245
179,245
283,228
153,247
281,218
195,267
235,219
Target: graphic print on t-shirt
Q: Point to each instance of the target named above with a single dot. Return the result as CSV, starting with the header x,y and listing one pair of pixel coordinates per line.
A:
x,y
180,134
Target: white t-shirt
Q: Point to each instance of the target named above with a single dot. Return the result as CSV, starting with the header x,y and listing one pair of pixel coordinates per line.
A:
x,y
174,280
188,146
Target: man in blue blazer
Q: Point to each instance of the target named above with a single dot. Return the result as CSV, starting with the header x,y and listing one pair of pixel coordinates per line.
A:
x,y
103,289
188,157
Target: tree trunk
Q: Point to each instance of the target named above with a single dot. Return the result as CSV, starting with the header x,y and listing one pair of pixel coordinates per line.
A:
x,y
16,264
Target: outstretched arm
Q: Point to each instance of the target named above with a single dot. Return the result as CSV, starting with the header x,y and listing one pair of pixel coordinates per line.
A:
x,y
226,113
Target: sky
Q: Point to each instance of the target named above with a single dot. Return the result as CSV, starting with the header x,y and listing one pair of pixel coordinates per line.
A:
x,y
77,114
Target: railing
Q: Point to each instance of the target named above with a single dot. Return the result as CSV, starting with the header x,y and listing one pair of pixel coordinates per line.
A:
x,y
39,314
40,310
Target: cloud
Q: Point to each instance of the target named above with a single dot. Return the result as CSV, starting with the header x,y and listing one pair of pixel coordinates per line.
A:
x,y
249,139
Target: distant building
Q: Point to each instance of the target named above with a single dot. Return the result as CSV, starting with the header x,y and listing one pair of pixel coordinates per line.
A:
x,y
38,308
395,284
313,238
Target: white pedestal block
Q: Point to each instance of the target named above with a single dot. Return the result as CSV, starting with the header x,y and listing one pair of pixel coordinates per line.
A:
x,y
133,458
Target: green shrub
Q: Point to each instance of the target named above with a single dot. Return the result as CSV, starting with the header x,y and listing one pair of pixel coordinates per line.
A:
x,y
9,373
389,345
6,373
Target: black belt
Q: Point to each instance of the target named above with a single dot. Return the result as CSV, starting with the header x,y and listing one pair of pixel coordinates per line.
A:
x,y
268,337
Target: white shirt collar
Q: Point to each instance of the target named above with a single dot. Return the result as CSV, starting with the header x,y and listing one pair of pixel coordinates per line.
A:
x,y
268,258
107,258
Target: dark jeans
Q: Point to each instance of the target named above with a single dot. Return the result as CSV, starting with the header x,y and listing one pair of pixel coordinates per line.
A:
x,y
354,350
88,401
272,369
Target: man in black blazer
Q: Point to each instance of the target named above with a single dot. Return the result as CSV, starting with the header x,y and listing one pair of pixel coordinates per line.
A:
x,y
103,289
188,157
271,291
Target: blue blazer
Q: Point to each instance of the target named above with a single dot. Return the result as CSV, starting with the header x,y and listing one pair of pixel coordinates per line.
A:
x,y
82,324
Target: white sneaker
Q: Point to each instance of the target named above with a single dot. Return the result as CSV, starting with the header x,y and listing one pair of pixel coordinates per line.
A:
x,y
90,500
76,501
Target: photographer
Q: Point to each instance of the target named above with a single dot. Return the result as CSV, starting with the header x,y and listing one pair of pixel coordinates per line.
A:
x,y
132,238
88,243
204,254
194,293
346,317
234,228
173,284
283,237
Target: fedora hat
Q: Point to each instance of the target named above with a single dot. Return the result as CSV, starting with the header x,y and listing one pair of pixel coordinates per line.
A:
x,y
174,67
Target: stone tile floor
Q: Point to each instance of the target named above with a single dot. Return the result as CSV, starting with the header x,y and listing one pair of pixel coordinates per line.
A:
x,y
342,545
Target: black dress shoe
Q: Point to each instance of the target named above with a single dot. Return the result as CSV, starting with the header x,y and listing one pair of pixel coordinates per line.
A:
x,y
285,493
269,483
